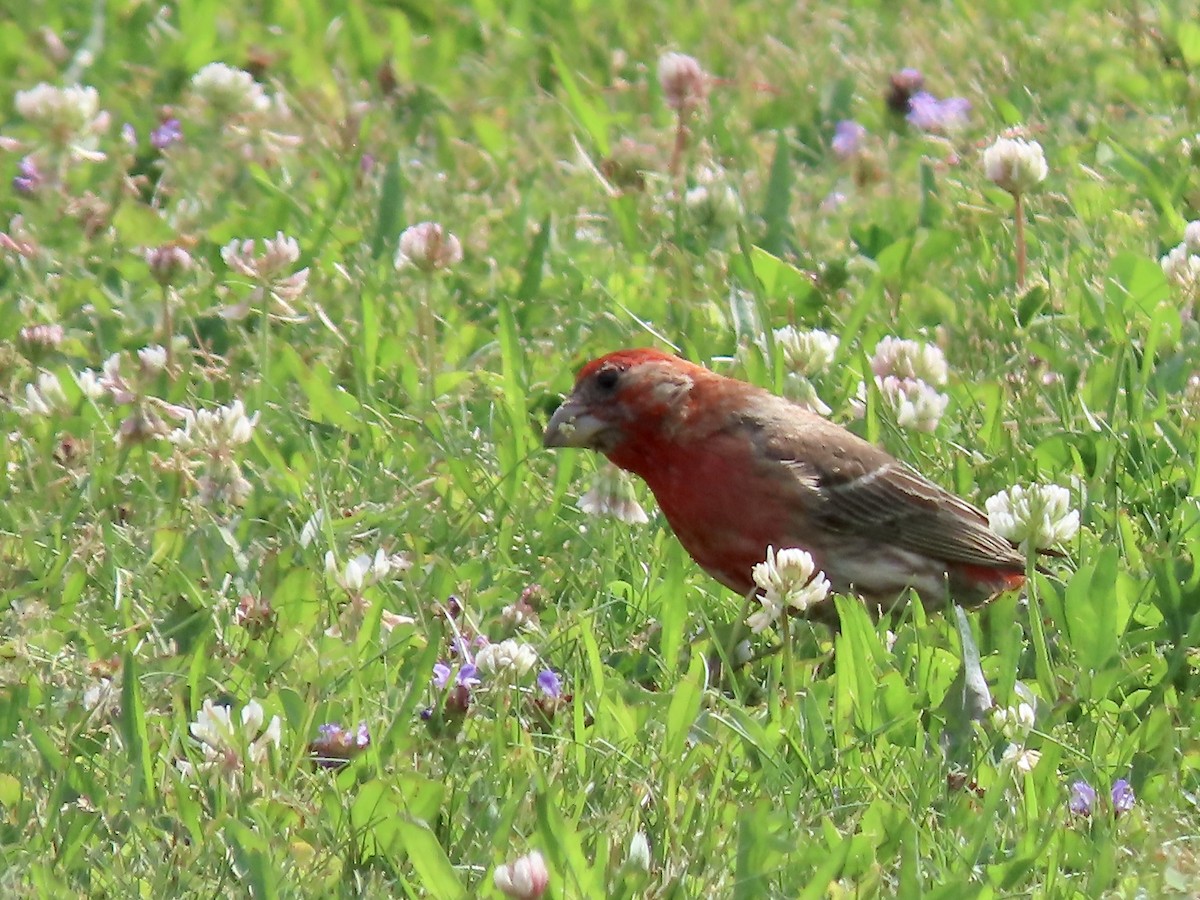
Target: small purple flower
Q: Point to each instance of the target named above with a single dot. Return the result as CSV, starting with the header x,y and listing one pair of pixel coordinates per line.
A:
x,y
928,113
166,134
847,139
1083,799
468,676
28,178
1122,796
366,165
441,675
550,683
129,136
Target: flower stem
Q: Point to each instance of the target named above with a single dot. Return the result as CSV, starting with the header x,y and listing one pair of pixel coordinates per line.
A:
x,y
681,136
1019,215
789,670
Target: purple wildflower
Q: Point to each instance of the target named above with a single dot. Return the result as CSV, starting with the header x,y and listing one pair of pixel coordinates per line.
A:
x,y
441,675
847,139
903,85
927,112
28,178
166,134
468,676
1083,799
550,683
1122,796
129,136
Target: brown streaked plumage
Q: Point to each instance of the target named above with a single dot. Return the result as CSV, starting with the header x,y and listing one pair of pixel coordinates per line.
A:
x,y
736,469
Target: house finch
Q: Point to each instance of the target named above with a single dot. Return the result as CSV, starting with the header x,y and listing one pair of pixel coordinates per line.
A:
x,y
737,469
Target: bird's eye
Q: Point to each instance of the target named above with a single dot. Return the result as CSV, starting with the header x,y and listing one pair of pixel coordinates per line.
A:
x,y
607,379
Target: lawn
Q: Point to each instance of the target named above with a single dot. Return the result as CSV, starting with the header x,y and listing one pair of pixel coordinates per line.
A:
x,y
293,601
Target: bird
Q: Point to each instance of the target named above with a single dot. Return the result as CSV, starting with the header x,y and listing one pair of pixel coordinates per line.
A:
x,y
736,469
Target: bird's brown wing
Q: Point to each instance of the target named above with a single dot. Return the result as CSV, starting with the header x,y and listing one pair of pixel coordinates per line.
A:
x,y
855,488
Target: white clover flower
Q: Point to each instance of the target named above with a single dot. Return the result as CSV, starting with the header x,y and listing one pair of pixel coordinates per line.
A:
x,y
806,352
1181,267
638,856
71,116
228,91
45,396
507,657
209,438
230,746
153,358
683,81
1038,515
216,430
803,392
712,202
270,270
360,572
312,528
428,246
101,698
1021,760
1015,722
912,402
910,359
1015,165
1191,236
525,878
612,494
787,580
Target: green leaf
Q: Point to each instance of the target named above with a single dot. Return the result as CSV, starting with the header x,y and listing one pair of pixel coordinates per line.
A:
x,y
594,120
133,731
777,203
428,858
683,709
391,210
535,263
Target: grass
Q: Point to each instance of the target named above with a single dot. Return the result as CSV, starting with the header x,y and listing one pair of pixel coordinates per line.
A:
x,y
407,410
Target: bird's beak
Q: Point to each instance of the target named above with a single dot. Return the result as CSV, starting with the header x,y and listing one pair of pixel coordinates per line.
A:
x,y
572,426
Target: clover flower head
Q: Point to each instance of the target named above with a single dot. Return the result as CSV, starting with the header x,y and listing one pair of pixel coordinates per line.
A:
x,y
525,878
712,201
806,352
1181,266
1015,165
683,81
910,359
509,657
71,116
786,580
915,404
1039,515
1020,758
228,745
168,262
1016,721
44,397
428,247
229,91
48,336
361,571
